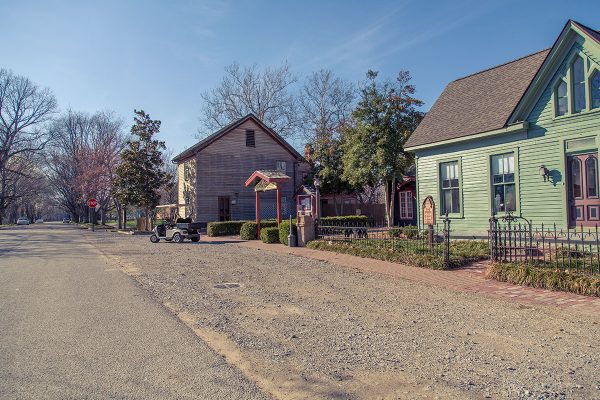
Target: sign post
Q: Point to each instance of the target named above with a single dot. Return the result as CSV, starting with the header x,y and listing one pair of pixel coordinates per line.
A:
x,y
92,203
428,213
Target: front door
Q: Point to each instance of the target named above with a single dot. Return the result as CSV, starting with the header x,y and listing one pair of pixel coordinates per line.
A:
x,y
224,210
584,203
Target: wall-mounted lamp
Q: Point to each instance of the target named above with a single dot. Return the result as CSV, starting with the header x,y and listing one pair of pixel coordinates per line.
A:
x,y
234,200
544,172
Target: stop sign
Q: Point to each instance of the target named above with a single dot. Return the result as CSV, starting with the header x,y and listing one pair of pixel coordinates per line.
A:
x,y
92,203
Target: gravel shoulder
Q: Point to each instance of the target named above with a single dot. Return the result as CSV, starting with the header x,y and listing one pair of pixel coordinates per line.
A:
x,y
303,328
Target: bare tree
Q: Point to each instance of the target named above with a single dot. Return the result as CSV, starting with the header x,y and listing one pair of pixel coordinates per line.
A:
x,y
325,103
82,159
267,94
25,108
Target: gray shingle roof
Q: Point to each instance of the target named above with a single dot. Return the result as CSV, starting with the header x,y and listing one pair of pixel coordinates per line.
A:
x,y
478,103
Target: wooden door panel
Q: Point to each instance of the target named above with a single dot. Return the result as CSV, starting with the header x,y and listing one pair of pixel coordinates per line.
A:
x,y
583,200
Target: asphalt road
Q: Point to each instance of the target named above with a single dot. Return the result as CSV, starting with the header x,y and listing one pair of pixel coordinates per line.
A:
x,y
74,326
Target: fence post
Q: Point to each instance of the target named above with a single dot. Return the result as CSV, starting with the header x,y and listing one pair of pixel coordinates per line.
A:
x,y
493,239
446,242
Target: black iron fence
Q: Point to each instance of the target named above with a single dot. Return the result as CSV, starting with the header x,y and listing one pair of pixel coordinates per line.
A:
x,y
433,241
515,239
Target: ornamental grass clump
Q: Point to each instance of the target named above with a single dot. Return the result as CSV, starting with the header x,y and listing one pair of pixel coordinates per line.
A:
x,y
546,278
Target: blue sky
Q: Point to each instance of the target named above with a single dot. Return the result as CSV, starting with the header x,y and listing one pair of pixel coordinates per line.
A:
x,y
160,55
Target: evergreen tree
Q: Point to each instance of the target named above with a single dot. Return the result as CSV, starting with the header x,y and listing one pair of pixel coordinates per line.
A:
x,y
373,141
141,174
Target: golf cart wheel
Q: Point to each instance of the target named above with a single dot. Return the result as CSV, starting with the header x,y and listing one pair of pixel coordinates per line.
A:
x,y
177,238
195,239
154,239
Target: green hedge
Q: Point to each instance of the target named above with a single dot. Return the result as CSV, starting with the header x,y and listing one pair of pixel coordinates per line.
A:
x,y
269,235
545,278
284,231
248,229
355,220
226,228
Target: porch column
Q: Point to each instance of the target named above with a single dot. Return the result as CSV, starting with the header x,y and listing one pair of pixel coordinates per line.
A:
x,y
257,213
278,205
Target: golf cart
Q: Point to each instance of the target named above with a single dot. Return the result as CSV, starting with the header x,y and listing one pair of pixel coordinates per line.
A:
x,y
177,232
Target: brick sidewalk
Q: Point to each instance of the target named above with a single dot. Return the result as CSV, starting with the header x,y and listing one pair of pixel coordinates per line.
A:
x,y
469,280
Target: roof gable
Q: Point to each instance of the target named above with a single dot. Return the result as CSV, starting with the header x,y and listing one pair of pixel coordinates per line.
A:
x,y
496,99
561,49
477,103
191,151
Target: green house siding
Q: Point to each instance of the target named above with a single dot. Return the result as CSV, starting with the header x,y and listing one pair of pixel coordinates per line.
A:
x,y
543,143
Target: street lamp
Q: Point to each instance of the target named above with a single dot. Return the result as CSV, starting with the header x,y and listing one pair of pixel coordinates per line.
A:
x,y
317,199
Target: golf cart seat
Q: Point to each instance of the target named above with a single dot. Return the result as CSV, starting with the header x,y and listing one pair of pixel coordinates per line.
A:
x,y
161,230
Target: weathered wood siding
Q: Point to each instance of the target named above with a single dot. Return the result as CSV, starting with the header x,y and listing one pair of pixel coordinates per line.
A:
x,y
223,167
186,184
542,144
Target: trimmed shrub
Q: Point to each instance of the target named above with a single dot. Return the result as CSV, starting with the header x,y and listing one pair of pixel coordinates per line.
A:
x,y
225,228
348,220
284,231
248,229
269,235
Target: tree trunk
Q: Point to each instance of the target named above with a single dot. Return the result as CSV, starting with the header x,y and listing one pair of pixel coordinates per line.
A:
x,y
124,217
335,205
118,208
389,201
392,201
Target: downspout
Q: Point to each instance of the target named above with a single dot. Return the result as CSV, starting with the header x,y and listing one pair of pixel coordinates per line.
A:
x,y
417,195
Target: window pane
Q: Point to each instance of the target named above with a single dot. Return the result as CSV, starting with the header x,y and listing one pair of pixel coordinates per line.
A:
x,y
510,197
447,206
509,178
498,179
591,169
562,99
576,178
449,170
511,164
595,89
578,85
498,198
455,201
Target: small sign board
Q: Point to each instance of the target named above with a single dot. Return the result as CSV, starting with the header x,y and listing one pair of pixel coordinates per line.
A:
x,y
92,203
428,211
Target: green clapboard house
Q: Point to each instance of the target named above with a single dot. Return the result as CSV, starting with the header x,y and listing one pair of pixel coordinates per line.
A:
x,y
521,137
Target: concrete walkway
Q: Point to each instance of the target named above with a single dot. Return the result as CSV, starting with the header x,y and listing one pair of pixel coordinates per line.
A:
x,y
465,280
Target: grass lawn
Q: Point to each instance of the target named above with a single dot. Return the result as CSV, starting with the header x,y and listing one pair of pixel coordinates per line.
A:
x,y
131,224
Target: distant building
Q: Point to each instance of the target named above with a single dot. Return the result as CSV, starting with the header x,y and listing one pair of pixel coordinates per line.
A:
x,y
213,171
519,138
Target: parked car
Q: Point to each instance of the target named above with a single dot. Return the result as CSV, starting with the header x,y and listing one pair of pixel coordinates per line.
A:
x,y
39,221
66,220
23,221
